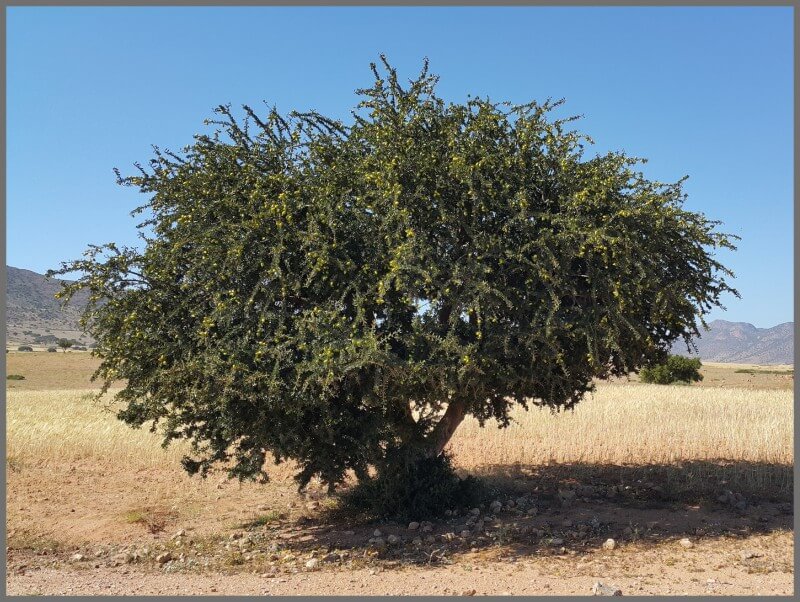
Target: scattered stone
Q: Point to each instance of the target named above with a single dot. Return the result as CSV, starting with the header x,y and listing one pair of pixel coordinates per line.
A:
x,y
496,506
557,541
475,511
312,505
163,558
377,533
469,592
413,526
686,542
609,544
78,557
393,539
180,533
123,558
237,535
417,541
379,542
750,554
426,528
532,511
430,539
312,563
605,590
465,533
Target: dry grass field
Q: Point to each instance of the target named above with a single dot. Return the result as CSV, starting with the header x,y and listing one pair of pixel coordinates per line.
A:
x,y
643,464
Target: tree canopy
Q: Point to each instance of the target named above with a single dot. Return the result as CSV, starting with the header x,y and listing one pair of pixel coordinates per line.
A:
x,y
332,292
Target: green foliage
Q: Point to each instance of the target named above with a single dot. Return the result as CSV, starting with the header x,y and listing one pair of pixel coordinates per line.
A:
x,y
51,349
676,369
64,344
15,377
325,291
417,489
24,348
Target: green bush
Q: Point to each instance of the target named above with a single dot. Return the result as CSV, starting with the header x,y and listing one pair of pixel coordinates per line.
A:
x,y
15,377
51,350
676,369
24,348
421,488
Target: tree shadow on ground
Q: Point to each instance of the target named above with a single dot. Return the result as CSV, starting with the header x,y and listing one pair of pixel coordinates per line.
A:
x,y
566,509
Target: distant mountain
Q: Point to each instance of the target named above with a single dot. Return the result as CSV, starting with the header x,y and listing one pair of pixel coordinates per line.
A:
x,y
35,316
743,343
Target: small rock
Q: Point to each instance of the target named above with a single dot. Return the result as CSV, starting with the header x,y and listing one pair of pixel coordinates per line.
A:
x,y
750,554
78,557
123,558
312,505
469,592
532,511
475,511
163,558
686,542
312,563
426,528
393,539
557,541
609,544
496,506
417,541
465,534
377,533
605,590
413,526
379,542
180,533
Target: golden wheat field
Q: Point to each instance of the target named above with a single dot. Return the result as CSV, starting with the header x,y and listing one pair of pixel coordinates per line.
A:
x,y
618,424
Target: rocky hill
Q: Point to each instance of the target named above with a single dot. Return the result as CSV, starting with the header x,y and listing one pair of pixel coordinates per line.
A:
x,y
743,343
34,316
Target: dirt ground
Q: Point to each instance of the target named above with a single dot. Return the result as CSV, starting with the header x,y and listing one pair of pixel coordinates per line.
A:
x,y
85,527
223,538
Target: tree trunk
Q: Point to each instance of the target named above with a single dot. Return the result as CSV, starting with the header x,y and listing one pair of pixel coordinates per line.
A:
x,y
443,431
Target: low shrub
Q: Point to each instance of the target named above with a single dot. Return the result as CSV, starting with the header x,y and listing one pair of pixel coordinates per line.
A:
x,y
51,350
676,369
413,490
24,348
15,377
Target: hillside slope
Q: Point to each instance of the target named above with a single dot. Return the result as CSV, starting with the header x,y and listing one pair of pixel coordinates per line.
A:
x,y
34,315
743,343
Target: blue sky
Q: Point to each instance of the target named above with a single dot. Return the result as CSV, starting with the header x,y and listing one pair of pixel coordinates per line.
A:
x,y
704,92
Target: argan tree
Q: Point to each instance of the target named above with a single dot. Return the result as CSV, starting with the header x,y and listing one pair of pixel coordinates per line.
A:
x,y
64,344
345,294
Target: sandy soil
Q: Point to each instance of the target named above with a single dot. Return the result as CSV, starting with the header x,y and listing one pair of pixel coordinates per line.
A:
x,y
710,567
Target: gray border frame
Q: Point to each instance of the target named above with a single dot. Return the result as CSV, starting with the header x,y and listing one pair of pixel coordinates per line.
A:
x,y
376,3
